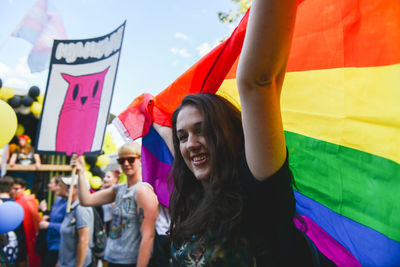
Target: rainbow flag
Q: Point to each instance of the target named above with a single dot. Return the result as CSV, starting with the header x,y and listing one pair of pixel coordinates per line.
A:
x,y
341,113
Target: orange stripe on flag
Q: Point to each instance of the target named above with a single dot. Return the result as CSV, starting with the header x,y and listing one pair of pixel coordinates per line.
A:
x,y
346,33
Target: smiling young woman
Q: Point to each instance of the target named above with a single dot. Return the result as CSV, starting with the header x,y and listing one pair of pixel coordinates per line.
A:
x,y
233,202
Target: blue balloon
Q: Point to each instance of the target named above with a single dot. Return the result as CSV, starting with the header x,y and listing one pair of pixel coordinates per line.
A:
x,y
11,216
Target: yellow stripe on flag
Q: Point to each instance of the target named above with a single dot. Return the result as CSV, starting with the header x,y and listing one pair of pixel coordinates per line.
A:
x,y
353,107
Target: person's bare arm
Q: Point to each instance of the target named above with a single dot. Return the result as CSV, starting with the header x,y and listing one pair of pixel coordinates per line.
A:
x,y
83,245
166,135
13,159
148,211
260,76
38,162
85,197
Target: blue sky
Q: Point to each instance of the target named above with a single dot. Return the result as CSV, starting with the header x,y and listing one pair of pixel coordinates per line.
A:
x,y
162,39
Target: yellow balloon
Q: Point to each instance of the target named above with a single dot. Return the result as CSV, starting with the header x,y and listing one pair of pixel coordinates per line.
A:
x,y
8,123
88,175
36,108
95,182
6,93
20,130
108,145
102,160
122,178
40,98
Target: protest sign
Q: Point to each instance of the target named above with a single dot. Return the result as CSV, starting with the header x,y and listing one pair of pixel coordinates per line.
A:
x,y
78,95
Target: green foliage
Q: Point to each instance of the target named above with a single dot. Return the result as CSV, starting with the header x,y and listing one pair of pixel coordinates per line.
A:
x,y
233,15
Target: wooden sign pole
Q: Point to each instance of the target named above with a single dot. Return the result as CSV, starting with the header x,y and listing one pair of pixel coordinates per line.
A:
x,y
71,189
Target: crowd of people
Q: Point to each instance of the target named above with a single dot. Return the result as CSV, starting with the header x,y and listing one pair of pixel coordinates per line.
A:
x,y
129,213
232,203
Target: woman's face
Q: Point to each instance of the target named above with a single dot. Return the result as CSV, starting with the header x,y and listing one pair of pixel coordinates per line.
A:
x,y
58,190
52,185
22,142
192,142
109,180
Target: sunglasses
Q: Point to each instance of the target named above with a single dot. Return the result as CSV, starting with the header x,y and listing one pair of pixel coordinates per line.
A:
x,y
130,160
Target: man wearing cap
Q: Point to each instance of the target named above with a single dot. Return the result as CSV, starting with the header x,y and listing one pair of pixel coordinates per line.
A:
x,y
76,232
134,212
30,222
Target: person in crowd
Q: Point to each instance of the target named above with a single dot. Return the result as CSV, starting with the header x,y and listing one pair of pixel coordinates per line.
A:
x,y
233,202
52,188
162,246
6,184
110,179
24,155
41,246
52,185
30,222
8,248
134,212
12,241
76,231
53,221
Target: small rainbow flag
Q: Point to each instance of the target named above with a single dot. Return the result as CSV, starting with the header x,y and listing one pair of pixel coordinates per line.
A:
x,y
341,113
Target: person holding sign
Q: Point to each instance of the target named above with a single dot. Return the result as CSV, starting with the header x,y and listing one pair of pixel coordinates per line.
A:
x,y
134,212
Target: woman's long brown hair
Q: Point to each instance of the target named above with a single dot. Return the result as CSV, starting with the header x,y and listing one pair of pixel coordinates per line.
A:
x,y
217,211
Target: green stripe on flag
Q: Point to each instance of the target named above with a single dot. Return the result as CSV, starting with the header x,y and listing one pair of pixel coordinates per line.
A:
x,y
355,184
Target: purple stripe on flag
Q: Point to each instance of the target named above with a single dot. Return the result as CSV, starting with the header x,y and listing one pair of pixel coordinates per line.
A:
x,y
370,247
156,173
332,249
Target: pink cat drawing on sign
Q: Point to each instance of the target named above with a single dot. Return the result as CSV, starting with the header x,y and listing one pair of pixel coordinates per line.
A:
x,y
78,117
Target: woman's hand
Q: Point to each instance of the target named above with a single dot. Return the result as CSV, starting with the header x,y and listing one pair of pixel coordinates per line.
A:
x,y
44,224
78,162
43,206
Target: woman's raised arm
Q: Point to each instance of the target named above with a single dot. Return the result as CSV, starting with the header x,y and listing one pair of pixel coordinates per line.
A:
x,y
260,75
85,198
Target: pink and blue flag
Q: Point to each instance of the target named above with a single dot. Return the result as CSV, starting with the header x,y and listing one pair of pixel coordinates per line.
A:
x,y
40,27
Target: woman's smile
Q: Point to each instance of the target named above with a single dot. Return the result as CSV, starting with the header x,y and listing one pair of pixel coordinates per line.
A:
x,y
192,142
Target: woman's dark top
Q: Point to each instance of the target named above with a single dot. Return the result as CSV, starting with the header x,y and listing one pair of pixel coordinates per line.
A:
x,y
268,230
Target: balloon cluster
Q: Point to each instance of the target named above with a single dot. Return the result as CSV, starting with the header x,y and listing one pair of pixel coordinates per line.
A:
x,y
27,108
30,103
93,173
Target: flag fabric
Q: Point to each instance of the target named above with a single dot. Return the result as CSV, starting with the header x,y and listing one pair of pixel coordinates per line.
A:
x,y
155,153
40,27
31,226
341,119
